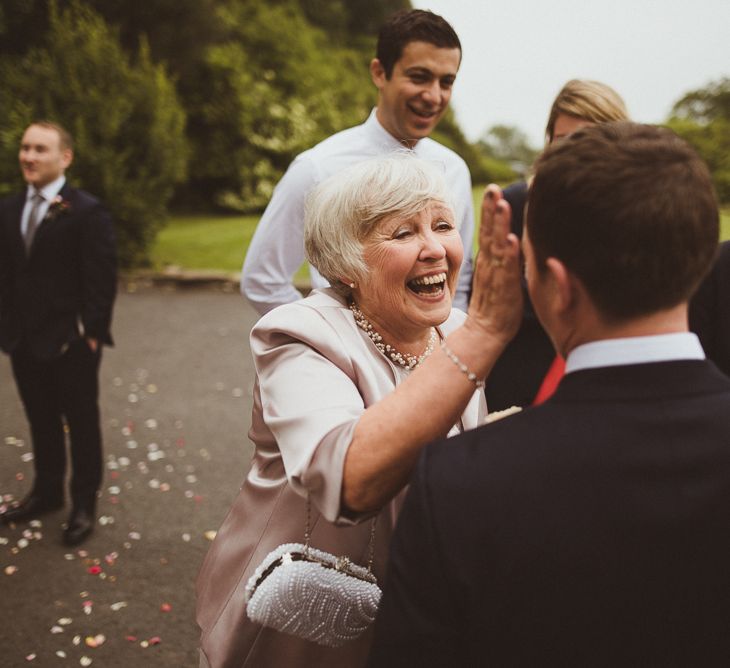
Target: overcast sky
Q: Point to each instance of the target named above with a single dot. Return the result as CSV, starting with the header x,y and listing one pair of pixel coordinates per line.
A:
x,y
517,55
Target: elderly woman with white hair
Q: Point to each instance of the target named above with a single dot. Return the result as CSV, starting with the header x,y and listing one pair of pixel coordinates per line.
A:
x,y
351,383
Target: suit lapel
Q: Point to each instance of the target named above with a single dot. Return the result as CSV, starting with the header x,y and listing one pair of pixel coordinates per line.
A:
x,y
12,223
51,218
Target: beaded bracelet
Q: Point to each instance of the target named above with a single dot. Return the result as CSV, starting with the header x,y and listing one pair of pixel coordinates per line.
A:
x,y
462,367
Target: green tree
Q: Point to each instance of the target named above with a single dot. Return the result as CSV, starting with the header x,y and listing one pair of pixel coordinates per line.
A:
x,y
702,117
124,115
275,88
508,144
483,168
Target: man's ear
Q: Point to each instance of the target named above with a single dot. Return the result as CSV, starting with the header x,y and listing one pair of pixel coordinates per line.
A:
x,y
377,73
67,156
564,287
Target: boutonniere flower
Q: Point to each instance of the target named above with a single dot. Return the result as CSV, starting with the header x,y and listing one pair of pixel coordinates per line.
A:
x,y
57,207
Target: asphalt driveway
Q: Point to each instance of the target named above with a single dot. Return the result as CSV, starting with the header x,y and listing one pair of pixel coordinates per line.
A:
x,y
176,404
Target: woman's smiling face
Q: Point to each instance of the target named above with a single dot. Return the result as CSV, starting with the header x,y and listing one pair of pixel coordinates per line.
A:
x,y
413,265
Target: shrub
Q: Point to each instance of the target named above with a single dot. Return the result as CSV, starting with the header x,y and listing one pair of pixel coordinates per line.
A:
x,y
127,124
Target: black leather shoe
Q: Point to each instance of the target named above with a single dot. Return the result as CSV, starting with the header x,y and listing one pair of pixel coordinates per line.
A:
x,y
31,507
79,527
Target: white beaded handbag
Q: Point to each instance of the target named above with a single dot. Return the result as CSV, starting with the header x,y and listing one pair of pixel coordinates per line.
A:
x,y
312,594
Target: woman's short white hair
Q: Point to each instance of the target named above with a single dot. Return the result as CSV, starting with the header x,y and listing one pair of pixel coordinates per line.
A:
x,y
343,210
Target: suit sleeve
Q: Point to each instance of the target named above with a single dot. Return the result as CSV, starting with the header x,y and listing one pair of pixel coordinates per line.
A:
x,y
309,402
419,622
99,270
277,249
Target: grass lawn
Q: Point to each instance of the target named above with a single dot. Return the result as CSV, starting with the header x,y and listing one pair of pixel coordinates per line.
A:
x,y
219,243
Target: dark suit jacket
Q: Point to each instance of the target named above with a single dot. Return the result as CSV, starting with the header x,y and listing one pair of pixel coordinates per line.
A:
x,y
709,311
593,530
68,278
518,373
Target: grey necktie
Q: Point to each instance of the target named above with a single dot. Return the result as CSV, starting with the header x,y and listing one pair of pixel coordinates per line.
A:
x,y
33,221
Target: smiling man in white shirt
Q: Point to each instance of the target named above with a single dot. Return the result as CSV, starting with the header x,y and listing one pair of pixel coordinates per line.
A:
x,y
417,60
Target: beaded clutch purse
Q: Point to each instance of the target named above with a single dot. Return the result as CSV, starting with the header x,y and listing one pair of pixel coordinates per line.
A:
x,y
313,594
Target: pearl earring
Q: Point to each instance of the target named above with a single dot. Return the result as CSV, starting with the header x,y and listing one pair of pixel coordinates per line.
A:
x,y
352,285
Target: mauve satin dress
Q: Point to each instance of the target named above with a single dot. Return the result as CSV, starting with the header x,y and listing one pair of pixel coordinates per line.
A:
x,y
316,373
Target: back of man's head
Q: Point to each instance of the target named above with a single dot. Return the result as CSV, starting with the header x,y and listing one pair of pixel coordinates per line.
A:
x,y
631,211
412,25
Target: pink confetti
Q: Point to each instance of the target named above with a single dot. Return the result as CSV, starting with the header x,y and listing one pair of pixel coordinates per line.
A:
x,y
165,607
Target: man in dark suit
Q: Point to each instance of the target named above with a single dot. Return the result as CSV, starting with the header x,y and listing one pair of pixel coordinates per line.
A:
x,y
57,289
591,530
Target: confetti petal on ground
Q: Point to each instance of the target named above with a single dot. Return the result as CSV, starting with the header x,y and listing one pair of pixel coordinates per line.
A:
x,y
165,607
210,535
118,605
11,570
95,641
85,661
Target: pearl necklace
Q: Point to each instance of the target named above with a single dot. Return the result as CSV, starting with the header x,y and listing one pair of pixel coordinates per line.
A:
x,y
406,360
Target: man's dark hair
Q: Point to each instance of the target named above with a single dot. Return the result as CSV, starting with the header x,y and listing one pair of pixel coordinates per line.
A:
x,y
412,25
630,210
66,140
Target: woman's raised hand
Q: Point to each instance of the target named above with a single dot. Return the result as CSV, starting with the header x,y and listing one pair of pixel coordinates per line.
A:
x,y
496,298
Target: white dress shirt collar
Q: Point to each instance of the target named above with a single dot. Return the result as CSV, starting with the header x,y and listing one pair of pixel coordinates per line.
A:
x,y
49,191
381,137
635,350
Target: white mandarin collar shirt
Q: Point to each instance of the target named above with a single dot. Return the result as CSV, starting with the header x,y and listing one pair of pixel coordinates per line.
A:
x,y
49,191
277,249
635,350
